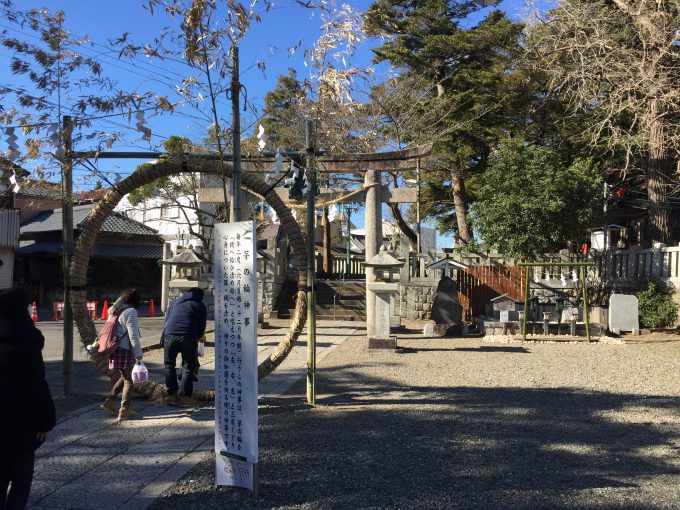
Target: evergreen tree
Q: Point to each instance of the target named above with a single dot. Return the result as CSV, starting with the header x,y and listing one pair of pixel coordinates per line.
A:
x,y
461,100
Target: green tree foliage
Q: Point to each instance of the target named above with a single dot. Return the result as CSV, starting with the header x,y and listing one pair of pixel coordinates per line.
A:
x,y
616,63
657,308
455,91
285,110
531,202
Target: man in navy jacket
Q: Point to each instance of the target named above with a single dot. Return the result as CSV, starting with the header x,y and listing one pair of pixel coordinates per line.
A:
x,y
184,325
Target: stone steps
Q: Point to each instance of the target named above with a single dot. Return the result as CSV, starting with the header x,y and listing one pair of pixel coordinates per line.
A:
x,y
342,300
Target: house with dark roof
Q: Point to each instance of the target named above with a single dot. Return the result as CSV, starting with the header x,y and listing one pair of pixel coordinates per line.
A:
x,y
127,254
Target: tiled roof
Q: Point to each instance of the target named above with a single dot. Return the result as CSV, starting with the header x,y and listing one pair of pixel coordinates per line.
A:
x,y
49,221
93,195
137,251
6,166
46,189
40,189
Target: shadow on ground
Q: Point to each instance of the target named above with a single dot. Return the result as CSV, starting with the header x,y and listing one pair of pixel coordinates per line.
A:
x,y
375,444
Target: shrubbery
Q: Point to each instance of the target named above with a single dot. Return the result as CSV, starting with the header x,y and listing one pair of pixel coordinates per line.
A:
x,y
657,308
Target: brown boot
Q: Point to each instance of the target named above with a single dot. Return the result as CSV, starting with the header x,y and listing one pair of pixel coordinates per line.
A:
x,y
172,400
109,405
127,414
185,401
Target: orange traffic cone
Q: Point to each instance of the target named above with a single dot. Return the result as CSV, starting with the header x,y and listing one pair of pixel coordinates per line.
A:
x,y
105,310
34,313
152,309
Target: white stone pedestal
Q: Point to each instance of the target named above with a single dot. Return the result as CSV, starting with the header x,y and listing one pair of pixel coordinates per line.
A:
x,y
381,338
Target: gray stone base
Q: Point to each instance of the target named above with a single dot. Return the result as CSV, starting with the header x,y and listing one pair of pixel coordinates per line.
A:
x,y
435,329
383,343
442,330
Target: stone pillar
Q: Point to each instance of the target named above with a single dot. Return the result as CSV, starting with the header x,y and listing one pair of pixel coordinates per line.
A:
x,y
373,240
165,278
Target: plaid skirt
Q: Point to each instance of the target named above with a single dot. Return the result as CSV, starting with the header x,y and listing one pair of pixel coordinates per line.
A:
x,y
122,358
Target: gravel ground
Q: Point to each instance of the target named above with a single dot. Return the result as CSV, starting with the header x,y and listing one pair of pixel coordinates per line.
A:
x,y
459,423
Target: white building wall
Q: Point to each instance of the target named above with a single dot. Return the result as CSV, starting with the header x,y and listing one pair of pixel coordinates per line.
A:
x,y
6,268
171,222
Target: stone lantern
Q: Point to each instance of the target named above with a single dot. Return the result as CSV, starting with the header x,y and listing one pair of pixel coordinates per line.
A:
x,y
385,288
188,272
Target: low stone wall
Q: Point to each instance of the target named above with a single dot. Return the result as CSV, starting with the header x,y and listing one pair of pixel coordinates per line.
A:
x,y
502,329
415,301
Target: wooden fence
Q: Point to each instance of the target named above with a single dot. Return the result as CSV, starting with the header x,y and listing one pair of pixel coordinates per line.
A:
x,y
477,285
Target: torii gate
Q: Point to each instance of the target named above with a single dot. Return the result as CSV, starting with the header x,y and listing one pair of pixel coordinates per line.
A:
x,y
371,164
372,194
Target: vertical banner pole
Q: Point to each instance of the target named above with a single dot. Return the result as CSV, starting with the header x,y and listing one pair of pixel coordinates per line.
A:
x,y
311,264
236,386
349,243
236,206
67,240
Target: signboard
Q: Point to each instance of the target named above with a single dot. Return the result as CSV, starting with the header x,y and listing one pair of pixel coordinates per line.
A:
x,y
235,353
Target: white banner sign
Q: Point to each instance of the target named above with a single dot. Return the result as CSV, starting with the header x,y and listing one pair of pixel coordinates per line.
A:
x,y
235,353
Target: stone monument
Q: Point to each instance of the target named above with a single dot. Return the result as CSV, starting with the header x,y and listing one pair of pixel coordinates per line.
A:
x,y
446,309
623,314
447,312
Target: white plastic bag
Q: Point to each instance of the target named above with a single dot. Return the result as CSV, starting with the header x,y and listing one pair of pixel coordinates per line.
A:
x,y
140,373
201,349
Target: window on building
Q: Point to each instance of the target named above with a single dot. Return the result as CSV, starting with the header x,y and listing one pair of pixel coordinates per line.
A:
x,y
169,211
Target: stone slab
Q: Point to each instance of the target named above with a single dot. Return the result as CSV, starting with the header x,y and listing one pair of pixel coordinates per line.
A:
x,y
445,308
623,313
435,330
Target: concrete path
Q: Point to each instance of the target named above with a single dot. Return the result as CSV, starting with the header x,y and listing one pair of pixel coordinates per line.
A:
x,y
92,462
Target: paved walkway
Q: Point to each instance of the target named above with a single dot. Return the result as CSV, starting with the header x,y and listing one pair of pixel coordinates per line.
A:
x,y
92,462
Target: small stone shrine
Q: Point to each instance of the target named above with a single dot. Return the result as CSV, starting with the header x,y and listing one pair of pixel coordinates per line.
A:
x,y
623,314
505,309
384,289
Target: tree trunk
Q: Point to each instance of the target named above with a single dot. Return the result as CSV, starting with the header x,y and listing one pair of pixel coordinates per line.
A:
x,y
403,226
659,181
326,265
460,204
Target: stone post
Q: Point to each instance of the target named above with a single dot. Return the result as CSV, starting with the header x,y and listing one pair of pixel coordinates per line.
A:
x,y
546,323
165,278
373,239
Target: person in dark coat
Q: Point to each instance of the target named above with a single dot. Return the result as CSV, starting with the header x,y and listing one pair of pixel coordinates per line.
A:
x,y
27,408
185,322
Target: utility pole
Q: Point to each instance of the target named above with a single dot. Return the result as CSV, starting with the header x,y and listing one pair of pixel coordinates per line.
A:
x,y
236,213
67,241
418,203
311,264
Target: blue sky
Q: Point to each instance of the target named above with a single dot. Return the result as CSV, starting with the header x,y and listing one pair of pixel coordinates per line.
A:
x,y
281,28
